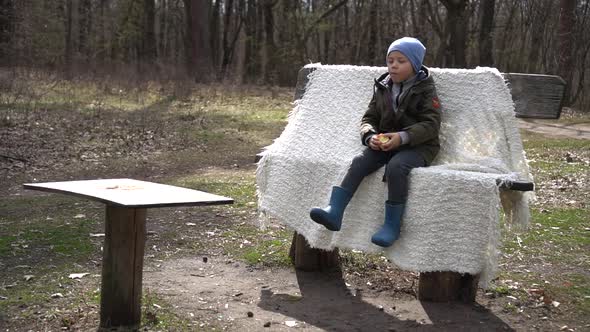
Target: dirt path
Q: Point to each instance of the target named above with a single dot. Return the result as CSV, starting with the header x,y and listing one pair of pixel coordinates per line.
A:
x,y
553,129
223,293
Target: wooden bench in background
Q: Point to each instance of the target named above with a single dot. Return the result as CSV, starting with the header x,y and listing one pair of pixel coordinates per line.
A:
x,y
534,96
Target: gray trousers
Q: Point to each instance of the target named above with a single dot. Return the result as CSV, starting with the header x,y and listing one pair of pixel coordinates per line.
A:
x,y
399,164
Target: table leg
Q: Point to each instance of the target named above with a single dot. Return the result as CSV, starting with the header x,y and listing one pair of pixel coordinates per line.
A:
x,y
122,266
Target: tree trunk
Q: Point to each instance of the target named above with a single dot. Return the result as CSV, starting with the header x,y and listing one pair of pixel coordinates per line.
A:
x,y
457,23
84,28
503,44
566,26
306,258
163,42
372,38
417,12
214,38
251,59
433,17
486,36
7,19
225,41
149,49
102,49
447,287
270,46
198,42
69,40
540,15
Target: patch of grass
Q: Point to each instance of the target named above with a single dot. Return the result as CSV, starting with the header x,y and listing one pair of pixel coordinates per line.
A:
x,y
499,290
255,246
48,229
236,184
570,289
534,141
360,262
5,244
559,235
510,308
235,118
38,290
70,239
84,95
559,168
272,252
28,294
548,157
17,207
558,239
576,288
157,313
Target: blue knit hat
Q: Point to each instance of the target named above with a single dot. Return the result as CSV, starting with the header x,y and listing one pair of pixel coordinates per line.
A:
x,y
412,48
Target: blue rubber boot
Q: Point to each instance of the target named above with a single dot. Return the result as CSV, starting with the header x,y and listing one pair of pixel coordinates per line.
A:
x,y
331,216
389,232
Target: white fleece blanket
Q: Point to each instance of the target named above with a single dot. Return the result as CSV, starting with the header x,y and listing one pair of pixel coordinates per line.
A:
x,y
451,222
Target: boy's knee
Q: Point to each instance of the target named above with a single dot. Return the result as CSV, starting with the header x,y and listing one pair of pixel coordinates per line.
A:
x,y
357,161
397,168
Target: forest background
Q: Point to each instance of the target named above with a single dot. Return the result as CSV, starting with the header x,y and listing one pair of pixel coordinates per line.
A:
x,y
265,42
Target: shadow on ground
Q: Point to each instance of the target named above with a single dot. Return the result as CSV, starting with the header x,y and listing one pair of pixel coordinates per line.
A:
x,y
327,303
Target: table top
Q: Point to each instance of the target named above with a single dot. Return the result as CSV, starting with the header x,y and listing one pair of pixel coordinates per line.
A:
x,y
131,193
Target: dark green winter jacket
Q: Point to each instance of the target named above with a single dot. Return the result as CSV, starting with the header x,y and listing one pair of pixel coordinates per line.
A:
x,y
418,114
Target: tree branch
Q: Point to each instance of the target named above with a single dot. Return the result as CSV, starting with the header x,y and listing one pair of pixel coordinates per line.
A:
x,y
323,16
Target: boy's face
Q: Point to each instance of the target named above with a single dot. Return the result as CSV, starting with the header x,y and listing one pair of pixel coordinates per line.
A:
x,y
399,67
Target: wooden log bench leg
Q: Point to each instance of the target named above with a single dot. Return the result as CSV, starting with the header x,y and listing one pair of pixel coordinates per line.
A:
x,y
433,286
447,286
306,258
122,266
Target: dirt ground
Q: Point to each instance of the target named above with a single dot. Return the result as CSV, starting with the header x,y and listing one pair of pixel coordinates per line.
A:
x,y
552,129
283,299
225,293
208,288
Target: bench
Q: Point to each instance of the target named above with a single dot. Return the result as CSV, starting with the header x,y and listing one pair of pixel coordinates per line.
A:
x,y
312,248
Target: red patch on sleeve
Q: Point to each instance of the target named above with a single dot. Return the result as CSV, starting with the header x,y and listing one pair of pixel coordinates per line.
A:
x,y
435,103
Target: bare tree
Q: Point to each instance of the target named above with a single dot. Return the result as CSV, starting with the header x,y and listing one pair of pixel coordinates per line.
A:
x,y
69,39
456,25
149,49
214,33
270,74
229,45
539,13
163,30
102,49
486,39
84,28
566,25
7,17
198,46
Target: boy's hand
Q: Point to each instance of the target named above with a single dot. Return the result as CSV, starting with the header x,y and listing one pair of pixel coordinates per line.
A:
x,y
374,143
393,143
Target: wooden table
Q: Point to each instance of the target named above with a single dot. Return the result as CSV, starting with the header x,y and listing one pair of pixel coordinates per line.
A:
x,y
126,203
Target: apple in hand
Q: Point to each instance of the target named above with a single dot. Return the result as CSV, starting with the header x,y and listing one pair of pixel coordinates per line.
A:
x,y
382,138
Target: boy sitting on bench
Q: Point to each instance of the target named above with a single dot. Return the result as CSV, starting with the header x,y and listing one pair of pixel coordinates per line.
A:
x,y
400,129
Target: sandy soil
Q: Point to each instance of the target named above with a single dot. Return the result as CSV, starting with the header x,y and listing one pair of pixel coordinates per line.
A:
x,y
223,293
